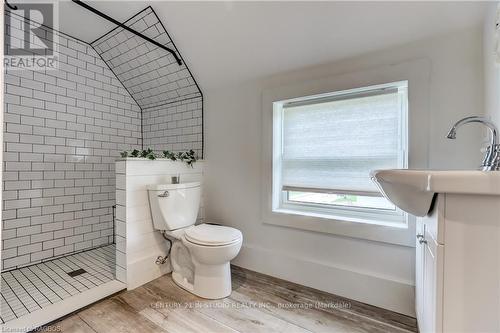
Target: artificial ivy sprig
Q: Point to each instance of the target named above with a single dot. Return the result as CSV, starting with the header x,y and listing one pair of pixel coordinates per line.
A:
x,y
147,152
170,155
189,157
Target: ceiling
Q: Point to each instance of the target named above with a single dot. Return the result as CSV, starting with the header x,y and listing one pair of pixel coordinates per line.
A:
x,y
232,41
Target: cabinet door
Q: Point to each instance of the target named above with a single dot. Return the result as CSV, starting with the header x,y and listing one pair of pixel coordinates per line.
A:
x,y
419,271
429,303
431,319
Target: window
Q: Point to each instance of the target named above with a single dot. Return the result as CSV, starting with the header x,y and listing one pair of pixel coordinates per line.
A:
x,y
326,145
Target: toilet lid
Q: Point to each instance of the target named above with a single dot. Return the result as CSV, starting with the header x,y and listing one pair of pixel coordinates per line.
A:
x,y
209,234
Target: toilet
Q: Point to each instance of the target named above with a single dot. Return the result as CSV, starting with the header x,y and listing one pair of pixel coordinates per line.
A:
x,y
200,254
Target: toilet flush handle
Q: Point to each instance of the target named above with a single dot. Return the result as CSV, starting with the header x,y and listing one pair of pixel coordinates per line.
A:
x,y
164,195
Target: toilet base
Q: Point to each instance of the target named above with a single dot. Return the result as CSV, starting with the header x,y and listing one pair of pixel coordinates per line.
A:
x,y
210,281
182,282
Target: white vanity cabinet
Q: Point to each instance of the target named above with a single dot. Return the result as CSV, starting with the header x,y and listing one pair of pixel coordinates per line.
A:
x,y
458,248
458,265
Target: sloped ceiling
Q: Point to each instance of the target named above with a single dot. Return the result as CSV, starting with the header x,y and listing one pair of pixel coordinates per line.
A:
x,y
150,74
229,42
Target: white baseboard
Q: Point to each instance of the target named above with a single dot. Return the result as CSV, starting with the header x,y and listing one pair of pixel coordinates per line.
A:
x,y
398,296
144,270
57,310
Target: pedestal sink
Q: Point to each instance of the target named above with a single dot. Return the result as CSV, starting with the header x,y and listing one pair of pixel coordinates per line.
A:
x,y
414,190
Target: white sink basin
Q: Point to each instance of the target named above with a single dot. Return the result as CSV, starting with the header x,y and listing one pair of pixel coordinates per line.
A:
x,y
413,190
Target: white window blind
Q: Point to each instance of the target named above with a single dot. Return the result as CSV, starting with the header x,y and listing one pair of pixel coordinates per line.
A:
x,y
331,143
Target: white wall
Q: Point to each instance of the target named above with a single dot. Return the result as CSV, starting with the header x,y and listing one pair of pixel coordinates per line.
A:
x,y
491,67
137,243
378,273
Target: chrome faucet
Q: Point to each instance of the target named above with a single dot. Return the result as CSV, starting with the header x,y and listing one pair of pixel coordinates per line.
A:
x,y
491,161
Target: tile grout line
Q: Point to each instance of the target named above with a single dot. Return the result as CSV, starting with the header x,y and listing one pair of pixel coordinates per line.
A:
x,y
44,282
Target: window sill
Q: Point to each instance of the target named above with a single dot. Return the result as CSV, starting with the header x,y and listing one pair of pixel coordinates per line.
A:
x,y
339,218
346,227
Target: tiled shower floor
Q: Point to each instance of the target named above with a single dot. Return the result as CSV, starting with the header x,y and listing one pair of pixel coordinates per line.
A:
x,y
31,288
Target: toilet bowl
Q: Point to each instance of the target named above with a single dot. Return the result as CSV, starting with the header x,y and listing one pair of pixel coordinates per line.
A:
x,y
200,254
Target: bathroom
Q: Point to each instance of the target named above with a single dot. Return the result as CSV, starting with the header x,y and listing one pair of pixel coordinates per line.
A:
x,y
156,177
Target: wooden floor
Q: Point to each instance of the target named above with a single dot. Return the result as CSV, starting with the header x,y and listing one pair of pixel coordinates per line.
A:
x,y
259,303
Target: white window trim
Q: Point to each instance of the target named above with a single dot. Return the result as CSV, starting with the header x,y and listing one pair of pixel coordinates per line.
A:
x,y
417,73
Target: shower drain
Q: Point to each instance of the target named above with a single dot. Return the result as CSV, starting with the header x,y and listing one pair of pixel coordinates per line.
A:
x,y
77,272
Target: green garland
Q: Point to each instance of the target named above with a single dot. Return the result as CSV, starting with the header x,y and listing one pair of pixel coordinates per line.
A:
x,y
189,157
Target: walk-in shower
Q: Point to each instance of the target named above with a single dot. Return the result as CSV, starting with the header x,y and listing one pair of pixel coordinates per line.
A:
x,y
63,129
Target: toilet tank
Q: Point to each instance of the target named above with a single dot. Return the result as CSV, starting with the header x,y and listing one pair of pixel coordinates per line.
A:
x,y
174,206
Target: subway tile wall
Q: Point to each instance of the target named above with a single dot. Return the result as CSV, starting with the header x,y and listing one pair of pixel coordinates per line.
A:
x,y
63,131
175,127
167,93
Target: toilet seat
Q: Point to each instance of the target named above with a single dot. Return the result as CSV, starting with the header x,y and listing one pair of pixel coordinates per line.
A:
x,y
212,235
